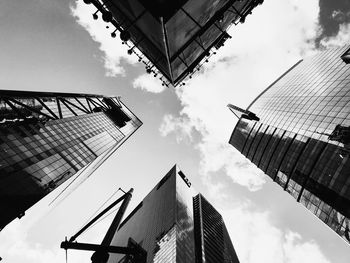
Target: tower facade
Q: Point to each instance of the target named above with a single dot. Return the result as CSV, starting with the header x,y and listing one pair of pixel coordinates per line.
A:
x,y
300,135
173,38
174,223
46,138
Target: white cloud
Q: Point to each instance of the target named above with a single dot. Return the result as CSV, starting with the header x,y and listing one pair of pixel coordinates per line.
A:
x,y
217,156
299,252
18,243
113,49
343,37
255,239
15,247
259,51
148,83
182,127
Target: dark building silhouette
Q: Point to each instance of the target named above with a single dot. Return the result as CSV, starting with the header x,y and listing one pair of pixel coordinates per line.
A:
x,y
46,138
174,223
301,135
173,37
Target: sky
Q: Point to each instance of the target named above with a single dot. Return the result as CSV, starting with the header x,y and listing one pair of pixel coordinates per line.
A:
x,y
49,45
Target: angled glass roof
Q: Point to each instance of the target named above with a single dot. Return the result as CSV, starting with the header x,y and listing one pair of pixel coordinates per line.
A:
x,y
175,35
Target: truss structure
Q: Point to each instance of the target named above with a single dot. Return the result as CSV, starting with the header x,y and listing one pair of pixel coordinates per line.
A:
x,y
50,106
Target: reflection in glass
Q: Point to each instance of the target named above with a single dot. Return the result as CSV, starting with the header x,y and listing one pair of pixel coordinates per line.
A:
x,y
302,138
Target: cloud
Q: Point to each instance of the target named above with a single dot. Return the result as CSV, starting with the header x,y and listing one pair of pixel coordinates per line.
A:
x,y
259,51
256,239
19,244
113,49
181,127
343,37
298,251
15,247
148,83
217,157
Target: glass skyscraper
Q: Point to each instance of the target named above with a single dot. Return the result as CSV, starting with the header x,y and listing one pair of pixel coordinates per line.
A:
x,y
173,38
174,223
298,132
46,138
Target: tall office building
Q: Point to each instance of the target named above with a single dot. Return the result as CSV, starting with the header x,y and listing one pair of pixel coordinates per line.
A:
x,y
46,138
173,38
297,131
174,223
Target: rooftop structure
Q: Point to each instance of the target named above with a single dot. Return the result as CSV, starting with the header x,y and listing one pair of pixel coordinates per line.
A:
x,y
173,38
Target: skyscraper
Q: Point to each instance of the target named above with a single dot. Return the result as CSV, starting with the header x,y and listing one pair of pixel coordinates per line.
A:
x,y
297,131
174,223
46,138
173,38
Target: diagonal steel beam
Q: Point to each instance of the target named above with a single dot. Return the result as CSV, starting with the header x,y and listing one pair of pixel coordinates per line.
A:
x,y
93,247
93,102
82,104
59,108
103,103
88,103
30,108
72,104
69,108
46,107
14,108
123,197
98,103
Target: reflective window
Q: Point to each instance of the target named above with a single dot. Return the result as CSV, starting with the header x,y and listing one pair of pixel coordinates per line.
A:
x,y
306,147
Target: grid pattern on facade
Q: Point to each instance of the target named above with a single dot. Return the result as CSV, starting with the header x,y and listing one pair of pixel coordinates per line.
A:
x,y
294,142
150,223
213,243
311,99
184,220
166,247
164,224
67,137
41,146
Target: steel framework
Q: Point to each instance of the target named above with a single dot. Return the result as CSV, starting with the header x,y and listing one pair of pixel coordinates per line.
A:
x,y
134,252
40,103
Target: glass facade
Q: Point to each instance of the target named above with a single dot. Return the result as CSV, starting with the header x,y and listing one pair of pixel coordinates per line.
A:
x,y
46,138
175,36
163,223
302,138
213,243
